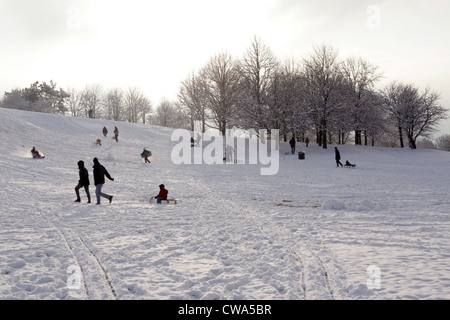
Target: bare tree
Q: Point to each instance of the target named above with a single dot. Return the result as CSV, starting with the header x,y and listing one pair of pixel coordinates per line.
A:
x,y
257,69
137,105
90,100
114,105
443,142
73,102
415,114
222,89
192,100
323,80
167,115
359,79
145,109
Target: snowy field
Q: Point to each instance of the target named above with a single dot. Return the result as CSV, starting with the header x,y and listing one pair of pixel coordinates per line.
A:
x,y
310,232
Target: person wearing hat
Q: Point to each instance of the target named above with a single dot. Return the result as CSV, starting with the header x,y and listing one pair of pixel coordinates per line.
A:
x,y
162,193
99,180
83,182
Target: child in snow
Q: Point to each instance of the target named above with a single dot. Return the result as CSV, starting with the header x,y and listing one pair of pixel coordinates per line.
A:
x,y
35,153
162,195
145,154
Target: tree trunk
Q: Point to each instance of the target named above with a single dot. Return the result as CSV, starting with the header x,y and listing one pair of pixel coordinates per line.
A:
x,y
358,137
400,133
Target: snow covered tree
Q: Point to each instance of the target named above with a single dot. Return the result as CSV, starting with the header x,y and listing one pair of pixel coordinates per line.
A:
x,y
323,81
168,115
55,98
90,100
73,102
192,100
443,142
15,100
257,69
222,89
114,105
137,106
415,114
359,79
39,97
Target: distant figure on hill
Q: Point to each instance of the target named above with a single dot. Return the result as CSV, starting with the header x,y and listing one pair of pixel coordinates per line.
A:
x,y
36,154
145,154
83,182
337,157
99,180
105,131
307,142
116,134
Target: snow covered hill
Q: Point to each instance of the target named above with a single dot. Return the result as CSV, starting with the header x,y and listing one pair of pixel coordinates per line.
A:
x,y
312,231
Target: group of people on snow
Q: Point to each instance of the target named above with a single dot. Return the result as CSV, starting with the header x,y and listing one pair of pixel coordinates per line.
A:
x,y
116,133
100,173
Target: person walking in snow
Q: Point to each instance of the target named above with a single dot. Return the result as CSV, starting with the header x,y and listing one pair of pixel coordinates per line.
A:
x,y
116,134
145,154
83,182
337,157
292,143
105,131
307,141
99,180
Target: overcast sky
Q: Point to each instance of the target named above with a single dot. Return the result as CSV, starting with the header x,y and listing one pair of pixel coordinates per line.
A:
x,y
154,45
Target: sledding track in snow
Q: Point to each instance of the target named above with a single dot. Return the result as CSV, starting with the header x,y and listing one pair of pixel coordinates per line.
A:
x,y
94,280
312,274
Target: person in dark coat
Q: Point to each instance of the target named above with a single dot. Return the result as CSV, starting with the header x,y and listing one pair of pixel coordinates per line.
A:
x,y
99,180
337,157
83,182
116,134
292,143
105,131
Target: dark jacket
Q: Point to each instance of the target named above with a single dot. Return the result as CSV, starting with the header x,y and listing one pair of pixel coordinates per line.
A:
x,y
337,154
292,142
84,177
99,174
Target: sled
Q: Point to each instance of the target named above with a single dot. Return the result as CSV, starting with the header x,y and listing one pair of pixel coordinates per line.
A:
x,y
167,201
41,156
350,165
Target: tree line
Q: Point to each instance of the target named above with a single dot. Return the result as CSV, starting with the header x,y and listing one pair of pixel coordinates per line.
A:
x,y
321,96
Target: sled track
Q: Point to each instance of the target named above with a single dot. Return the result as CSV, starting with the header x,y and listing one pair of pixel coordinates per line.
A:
x,y
96,283
309,261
